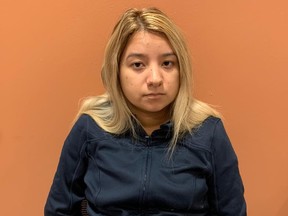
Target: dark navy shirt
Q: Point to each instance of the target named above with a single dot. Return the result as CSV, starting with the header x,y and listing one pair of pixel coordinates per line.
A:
x,y
123,175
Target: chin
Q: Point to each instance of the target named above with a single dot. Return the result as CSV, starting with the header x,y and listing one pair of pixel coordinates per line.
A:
x,y
157,109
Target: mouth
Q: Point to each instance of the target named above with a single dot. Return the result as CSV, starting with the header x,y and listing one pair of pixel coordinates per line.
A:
x,y
154,95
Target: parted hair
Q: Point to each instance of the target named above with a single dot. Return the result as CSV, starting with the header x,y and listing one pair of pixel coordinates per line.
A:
x,y
110,110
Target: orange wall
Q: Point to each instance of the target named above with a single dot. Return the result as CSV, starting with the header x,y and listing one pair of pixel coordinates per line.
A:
x,y
50,57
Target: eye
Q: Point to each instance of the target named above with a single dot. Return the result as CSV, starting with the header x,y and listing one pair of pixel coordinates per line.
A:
x,y
137,65
168,64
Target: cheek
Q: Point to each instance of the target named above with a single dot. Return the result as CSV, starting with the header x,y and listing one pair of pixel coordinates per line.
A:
x,y
174,83
174,86
123,80
127,85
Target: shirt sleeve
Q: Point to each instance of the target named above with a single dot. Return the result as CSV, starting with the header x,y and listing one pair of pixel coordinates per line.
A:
x,y
227,191
67,190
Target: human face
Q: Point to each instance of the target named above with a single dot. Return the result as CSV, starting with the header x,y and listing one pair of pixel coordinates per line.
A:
x,y
149,74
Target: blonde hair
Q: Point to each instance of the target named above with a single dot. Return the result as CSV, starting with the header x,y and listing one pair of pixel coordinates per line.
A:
x,y
111,111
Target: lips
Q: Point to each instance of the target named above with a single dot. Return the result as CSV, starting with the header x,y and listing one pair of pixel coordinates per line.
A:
x,y
154,95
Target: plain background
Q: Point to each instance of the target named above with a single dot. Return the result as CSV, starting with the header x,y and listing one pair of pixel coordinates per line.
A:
x,y
50,57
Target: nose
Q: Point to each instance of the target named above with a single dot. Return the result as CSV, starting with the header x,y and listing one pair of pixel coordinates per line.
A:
x,y
154,77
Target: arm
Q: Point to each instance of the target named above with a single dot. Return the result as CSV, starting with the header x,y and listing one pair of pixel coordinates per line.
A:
x,y
227,192
68,186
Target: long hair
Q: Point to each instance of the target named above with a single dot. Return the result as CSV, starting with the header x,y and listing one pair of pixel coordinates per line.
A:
x,y
111,111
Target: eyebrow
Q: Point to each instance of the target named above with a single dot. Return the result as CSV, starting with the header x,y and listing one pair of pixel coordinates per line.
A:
x,y
140,55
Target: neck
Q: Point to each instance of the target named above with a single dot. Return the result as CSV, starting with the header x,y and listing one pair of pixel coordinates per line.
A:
x,y
152,121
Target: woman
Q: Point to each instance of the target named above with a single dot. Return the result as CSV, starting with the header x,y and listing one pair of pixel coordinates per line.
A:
x,y
147,147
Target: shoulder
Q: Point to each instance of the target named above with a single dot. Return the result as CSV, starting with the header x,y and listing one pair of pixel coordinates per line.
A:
x,y
203,136
208,126
84,119
211,121
86,124
83,122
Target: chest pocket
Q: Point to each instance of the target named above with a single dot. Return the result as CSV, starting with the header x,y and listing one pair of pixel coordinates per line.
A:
x,y
180,182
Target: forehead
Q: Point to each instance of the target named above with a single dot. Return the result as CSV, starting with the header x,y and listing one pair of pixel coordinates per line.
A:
x,y
144,40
